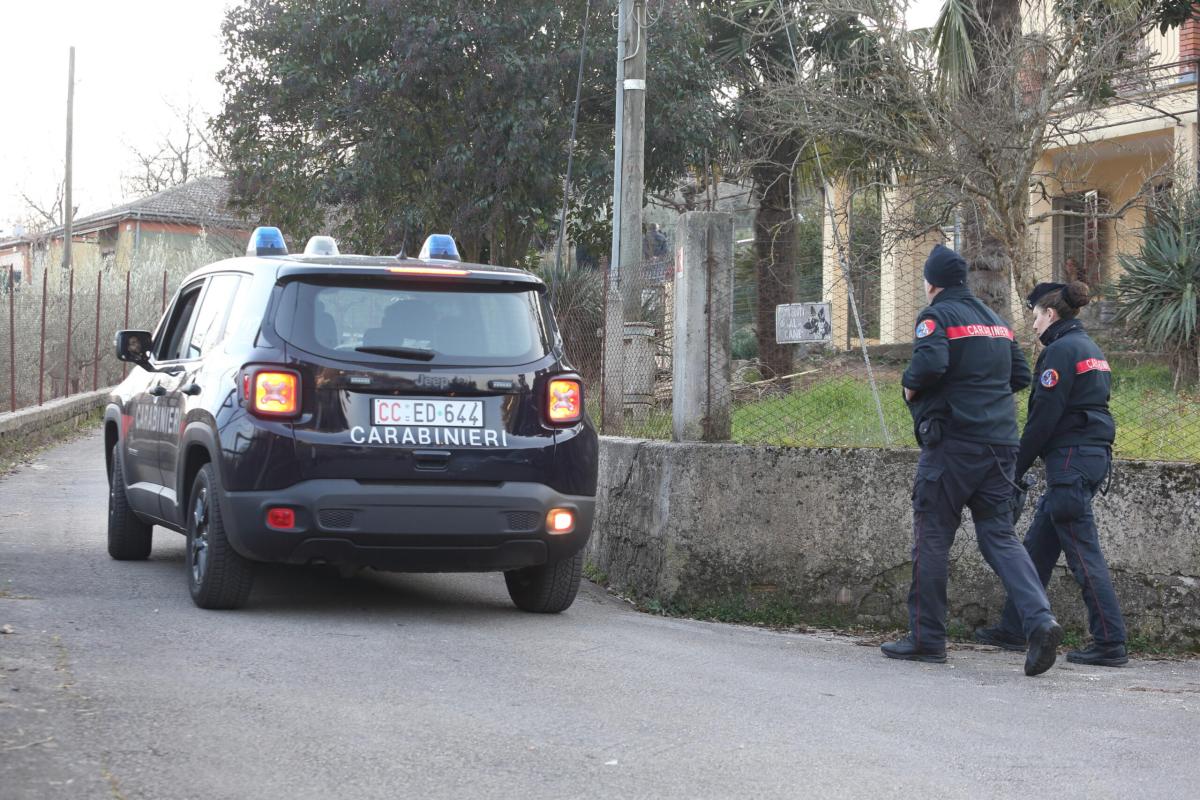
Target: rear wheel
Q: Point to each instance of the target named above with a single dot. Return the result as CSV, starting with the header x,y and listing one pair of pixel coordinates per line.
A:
x,y
218,577
546,589
128,536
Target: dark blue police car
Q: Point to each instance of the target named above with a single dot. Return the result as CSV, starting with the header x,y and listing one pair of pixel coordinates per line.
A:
x,y
395,413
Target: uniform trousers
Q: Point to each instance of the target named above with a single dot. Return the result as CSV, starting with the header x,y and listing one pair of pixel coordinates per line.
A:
x,y
1064,523
951,475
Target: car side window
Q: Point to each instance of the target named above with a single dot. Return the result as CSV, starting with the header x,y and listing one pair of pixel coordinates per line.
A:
x,y
174,335
209,330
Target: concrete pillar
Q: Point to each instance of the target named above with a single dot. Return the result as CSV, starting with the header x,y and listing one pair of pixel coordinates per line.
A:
x,y
833,275
703,328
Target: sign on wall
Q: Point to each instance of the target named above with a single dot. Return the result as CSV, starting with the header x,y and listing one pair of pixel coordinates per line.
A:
x,y
797,323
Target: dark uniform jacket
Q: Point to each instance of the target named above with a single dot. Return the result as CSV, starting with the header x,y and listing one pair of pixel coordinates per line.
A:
x,y
965,367
1069,403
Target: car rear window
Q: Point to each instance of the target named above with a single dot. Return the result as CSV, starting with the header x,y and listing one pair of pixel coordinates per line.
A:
x,y
460,325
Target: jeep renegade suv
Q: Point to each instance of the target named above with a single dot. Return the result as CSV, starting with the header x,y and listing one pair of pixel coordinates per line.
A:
x,y
402,414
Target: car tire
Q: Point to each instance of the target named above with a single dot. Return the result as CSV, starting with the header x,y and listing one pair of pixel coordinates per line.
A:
x,y
218,576
129,537
546,589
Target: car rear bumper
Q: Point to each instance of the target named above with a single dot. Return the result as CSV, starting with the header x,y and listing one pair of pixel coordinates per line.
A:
x,y
408,526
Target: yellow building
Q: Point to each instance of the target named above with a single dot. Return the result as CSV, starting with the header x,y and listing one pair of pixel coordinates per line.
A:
x,y
1115,163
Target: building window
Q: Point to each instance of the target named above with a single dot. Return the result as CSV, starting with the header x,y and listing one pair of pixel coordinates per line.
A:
x,y
1077,239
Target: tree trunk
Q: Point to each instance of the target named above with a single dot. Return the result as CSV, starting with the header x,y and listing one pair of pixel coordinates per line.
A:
x,y
988,258
989,263
775,266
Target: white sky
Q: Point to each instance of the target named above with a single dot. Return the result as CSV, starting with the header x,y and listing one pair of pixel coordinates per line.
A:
x,y
132,59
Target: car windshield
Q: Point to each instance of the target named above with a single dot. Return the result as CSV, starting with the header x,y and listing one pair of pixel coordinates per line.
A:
x,y
374,322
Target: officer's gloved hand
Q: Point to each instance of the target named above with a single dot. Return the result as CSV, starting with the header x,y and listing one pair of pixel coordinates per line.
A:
x,y
1020,493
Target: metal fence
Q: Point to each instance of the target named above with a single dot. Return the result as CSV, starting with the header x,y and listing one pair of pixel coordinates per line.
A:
x,y
838,392
57,325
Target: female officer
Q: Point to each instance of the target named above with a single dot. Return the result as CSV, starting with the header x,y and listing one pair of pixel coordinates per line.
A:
x,y
1070,427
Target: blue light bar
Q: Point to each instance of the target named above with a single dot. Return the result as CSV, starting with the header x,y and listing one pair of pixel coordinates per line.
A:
x,y
266,241
440,247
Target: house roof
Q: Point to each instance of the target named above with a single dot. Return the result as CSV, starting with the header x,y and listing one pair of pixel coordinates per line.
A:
x,y
203,201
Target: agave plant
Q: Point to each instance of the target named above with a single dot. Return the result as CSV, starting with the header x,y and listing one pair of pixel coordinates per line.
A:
x,y
578,299
1159,292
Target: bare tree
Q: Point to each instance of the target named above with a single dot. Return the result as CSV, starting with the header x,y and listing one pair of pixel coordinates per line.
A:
x,y
41,216
966,137
186,151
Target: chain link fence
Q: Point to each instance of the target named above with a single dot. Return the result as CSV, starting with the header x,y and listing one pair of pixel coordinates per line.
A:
x,y
825,390
839,385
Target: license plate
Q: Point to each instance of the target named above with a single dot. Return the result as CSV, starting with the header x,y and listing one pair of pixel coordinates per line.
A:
x,y
441,413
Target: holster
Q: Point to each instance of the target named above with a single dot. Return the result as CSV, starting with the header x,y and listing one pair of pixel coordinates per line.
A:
x,y
929,432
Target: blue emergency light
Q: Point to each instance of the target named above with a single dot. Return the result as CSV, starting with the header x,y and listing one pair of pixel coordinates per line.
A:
x,y
266,241
439,246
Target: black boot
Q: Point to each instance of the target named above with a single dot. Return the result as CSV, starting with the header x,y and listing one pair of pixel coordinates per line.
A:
x,y
1043,648
908,649
997,636
1100,655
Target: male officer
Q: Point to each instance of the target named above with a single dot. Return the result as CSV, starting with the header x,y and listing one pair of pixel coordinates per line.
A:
x,y
965,367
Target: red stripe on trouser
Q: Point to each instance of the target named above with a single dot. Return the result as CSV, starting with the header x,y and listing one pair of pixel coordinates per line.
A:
x,y
1087,581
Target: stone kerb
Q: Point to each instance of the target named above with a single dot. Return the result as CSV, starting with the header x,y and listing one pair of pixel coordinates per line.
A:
x,y
828,532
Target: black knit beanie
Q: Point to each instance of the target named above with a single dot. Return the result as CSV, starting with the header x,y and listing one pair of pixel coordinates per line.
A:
x,y
945,268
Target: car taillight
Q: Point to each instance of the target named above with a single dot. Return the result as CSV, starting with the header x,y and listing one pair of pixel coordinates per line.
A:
x,y
275,393
564,401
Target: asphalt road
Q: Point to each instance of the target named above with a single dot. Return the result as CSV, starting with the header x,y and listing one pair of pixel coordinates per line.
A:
x,y
113,685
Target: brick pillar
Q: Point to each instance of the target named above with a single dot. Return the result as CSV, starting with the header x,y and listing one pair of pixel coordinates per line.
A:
x,y
1189,44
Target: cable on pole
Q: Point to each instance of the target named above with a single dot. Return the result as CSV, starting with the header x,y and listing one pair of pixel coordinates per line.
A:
x,y
562,219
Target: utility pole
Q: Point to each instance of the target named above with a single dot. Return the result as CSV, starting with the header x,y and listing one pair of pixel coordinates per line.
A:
x,y
68,210
628,167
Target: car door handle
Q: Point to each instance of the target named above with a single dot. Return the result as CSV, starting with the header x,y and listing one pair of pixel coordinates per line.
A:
x,y
159,390
192,389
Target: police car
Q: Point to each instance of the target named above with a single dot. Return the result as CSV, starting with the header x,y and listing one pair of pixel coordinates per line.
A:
x,y
395,413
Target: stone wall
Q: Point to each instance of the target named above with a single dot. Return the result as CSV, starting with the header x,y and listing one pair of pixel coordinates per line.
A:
x,y
828,533
29,427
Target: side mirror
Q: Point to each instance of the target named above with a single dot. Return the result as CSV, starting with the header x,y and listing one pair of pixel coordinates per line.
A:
x,y
135,347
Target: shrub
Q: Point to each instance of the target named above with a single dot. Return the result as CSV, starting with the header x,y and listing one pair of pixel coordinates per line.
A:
x,y
1158,295
578,299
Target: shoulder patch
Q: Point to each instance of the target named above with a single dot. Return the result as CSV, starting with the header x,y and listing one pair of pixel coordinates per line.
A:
x,y
1049,379
925,327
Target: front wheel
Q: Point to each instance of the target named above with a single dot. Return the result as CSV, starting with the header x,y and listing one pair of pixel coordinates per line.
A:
x,y
129,537
218,577
546,589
